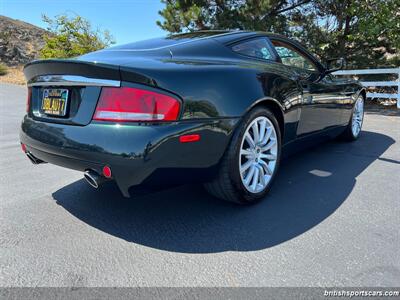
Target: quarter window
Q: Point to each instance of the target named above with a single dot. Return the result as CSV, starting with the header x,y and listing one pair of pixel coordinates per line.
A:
x,y
258,48
292,57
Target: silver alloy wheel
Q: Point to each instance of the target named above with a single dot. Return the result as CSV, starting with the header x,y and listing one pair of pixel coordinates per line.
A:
x,y
358,116
258,154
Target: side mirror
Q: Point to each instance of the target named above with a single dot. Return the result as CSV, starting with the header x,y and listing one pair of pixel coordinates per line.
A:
x,y
334,64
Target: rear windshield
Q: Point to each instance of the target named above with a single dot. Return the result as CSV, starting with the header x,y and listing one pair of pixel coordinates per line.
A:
x,y
167,41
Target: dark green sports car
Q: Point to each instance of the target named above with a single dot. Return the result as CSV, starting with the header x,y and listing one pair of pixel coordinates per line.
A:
x,y
214,107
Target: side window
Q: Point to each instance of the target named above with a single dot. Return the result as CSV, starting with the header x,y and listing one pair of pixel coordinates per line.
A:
x,y
258,48
291,57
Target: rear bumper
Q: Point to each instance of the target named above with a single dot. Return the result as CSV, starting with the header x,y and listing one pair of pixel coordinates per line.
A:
x,y
137,154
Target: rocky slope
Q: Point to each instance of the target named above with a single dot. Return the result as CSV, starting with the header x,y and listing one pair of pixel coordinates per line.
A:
x,y
20,42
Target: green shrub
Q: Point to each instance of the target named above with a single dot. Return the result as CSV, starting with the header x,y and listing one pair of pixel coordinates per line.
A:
x,y
3,70
72,36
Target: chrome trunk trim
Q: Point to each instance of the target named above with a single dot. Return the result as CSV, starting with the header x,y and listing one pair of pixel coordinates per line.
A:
x,y
71,80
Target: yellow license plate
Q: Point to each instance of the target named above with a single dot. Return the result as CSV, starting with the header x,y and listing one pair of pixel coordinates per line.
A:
x,y
54,102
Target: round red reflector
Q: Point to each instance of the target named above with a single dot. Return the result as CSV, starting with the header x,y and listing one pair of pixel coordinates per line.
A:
x,y
107,171
23,147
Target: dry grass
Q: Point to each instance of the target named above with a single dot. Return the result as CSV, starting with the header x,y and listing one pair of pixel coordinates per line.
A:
x,y
14,75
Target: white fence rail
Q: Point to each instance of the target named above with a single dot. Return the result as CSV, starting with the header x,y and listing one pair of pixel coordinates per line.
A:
x,y
377,83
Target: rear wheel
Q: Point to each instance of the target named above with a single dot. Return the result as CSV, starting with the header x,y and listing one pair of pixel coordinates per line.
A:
x,y
251,161
353,129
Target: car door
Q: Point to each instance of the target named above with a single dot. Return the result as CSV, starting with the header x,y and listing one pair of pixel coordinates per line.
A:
x,y
320,108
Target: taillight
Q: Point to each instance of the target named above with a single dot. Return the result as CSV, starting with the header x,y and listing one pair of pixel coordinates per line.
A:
x,y
128,104
28,99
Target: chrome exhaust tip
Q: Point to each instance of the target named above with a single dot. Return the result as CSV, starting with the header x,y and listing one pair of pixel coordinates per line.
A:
x,y
33,159
93,178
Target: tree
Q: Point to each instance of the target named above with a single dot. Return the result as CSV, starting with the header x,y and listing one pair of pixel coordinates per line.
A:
x,y
189,15
72,36
365,32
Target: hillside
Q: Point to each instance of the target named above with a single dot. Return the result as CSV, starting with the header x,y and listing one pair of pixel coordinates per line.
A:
x,y
20,42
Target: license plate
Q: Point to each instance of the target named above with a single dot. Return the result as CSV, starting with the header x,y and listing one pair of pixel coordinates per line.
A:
x,y
54,102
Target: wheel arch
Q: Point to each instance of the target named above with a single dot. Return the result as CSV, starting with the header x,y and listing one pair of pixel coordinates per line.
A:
x,y
276,109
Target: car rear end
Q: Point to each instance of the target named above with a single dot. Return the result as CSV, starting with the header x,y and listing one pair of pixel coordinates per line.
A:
x,y
82,115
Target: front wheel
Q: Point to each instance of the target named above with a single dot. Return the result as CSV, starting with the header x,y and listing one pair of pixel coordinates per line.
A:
x,y
251,161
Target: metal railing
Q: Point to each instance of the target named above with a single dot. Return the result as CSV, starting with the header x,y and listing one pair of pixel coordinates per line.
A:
x,y
369,84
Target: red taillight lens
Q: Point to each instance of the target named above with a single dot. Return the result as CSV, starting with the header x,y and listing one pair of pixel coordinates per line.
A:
x,y
128,104
28,99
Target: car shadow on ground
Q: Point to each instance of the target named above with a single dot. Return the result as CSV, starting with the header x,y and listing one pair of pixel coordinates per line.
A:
x,y
310,186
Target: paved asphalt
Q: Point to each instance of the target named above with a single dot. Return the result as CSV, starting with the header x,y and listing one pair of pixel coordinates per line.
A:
x,y
332,219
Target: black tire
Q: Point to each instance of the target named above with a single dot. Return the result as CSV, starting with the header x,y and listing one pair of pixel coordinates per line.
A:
x,y
348,134
227,184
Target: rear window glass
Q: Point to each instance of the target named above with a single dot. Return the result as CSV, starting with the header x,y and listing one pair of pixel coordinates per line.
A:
x,y
167,41
148,44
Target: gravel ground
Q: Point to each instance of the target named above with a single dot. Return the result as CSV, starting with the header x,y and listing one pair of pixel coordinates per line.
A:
x,y
332,219
14,75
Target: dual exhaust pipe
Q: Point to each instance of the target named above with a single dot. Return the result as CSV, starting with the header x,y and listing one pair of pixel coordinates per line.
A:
x,y
94,178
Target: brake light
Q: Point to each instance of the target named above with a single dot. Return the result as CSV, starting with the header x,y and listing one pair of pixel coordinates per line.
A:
x,y
28,99
128,104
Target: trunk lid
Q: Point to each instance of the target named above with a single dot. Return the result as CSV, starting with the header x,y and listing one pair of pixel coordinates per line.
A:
x,y
81,79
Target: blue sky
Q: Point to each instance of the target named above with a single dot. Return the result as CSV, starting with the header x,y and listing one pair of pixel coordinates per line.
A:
x,y
127,20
